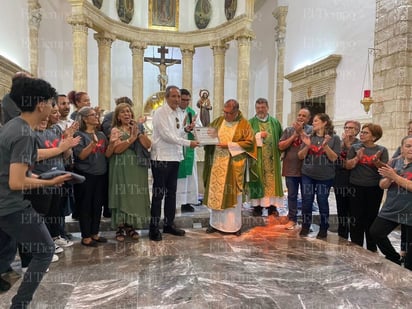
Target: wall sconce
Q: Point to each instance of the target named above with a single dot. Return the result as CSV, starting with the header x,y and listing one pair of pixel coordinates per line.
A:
x,y
367,100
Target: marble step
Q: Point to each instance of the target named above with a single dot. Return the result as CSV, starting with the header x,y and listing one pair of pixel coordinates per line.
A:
x,y
200,219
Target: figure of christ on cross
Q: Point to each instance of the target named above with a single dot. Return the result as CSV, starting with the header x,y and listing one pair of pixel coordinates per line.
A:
x,y
162,63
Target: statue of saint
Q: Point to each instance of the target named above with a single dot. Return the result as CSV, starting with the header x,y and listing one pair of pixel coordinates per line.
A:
x,y
204,105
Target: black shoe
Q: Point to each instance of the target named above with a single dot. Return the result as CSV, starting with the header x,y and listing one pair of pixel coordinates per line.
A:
x,y
187,208
171,229
4,285
304,232
273,211
257,211
210,229
100,239
155,235
322,234
93,243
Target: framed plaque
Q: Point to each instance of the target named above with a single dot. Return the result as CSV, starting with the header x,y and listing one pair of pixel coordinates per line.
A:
x,y
164,14
206,135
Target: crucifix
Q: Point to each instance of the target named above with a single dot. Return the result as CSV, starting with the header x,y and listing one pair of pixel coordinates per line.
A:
x,y
162,63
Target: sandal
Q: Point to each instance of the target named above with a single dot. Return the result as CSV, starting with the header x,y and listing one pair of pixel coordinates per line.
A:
x,y
120,234
131,232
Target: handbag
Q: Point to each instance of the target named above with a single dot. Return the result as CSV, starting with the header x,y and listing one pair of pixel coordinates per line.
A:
x,y
143,154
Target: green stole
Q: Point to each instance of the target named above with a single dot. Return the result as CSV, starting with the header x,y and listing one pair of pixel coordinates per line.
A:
x,y
186,165
246,139
256,186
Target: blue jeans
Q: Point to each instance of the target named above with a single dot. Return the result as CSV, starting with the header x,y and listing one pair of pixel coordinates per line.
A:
x,y
28,229
321,188
293,183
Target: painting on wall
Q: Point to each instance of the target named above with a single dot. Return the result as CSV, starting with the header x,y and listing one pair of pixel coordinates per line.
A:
x,y
203,13
164,14
98,3
125,10
230,9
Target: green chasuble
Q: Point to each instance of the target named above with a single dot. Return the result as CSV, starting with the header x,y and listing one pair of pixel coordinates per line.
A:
x,y
186,165
257,181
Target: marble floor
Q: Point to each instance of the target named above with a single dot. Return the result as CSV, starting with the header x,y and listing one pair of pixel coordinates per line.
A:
x,y
266,267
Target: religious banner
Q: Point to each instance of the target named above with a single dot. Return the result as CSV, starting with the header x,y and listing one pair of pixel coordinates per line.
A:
x,y
125,10
164,14
230,9
203,12
98,3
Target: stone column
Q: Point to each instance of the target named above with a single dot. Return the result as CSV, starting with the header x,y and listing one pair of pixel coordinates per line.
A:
x,y
104,43
392,67
34,24
137,48
219,51
280,14
243,64
187,71
80,32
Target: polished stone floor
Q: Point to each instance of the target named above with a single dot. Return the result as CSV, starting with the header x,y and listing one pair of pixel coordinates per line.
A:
x,y
266,267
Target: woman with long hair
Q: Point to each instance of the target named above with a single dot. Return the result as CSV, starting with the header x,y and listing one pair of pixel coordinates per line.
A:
x,y
128,174
319,153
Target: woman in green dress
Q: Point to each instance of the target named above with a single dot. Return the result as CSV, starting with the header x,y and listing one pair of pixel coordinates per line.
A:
x,y
128,175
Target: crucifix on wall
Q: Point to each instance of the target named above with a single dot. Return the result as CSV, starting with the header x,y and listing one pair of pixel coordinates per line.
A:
x,y
162,63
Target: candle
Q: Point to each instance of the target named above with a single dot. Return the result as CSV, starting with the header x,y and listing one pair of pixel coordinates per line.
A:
x,y
366,93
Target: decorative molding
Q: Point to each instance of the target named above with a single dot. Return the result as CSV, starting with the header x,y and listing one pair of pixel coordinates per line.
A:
x,y
324,66
187,50
137,46
87,14
105,39
315,80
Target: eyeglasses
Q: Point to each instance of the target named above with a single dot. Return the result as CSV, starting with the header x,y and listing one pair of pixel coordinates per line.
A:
x,y
229,113
349,128
92,115
364,132
177,123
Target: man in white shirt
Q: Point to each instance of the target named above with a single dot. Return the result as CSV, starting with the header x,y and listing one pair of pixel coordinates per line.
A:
x,y
63,104
168,140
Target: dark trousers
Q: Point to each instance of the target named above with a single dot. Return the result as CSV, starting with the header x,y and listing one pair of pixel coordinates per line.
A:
x,y
164,185
342,196
364,207
90,197
46,202
28,229
380,230
321,188
293,183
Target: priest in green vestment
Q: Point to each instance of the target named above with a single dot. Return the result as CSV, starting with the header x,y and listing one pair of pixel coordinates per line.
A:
x,y
265,185
187,192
